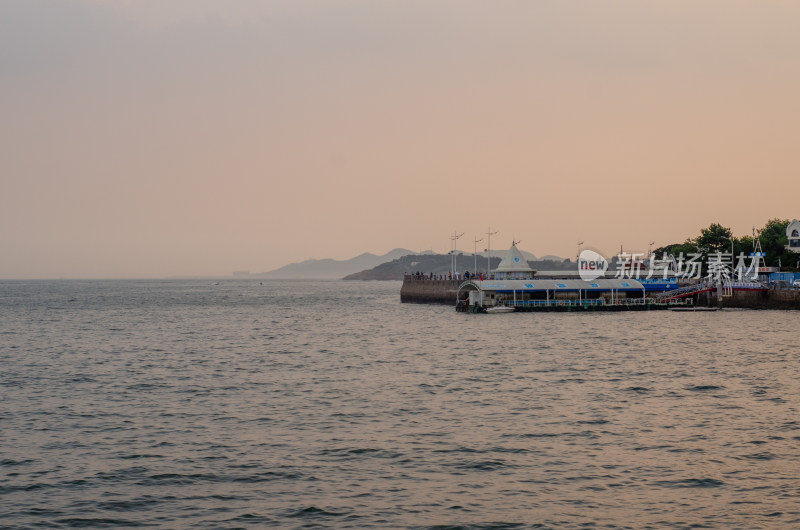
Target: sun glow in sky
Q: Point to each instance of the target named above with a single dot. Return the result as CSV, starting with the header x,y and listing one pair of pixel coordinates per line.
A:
x,y
161,138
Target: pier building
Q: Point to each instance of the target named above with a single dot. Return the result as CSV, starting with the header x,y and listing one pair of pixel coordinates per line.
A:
x,y
515,284
534,293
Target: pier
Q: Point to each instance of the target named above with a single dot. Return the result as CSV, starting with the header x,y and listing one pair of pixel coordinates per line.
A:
x,y
444,292
514,284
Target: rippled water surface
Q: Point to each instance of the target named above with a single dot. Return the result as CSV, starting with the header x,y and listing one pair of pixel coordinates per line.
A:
x,y
303,404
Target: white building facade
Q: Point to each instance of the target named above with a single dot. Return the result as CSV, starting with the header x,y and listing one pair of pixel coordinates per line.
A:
x,y
793,235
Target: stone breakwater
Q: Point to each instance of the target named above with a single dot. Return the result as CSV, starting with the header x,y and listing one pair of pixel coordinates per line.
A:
x,y
416,291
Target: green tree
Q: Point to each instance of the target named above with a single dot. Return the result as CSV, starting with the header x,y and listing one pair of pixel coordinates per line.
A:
x,y
742,245
676,249
715,238
774,241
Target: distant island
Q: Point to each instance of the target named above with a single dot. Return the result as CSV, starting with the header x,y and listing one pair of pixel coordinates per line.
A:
x,y
392,266
326,269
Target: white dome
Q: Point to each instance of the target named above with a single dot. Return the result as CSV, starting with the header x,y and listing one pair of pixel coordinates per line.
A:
x,y
514,262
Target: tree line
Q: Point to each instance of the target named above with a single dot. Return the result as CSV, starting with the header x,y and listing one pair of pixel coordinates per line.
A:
x,y
718,238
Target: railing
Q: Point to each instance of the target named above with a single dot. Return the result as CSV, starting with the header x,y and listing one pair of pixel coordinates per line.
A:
x,y
446,276
728,287
591,302
779,287
739,284
435,277
550,303
685,291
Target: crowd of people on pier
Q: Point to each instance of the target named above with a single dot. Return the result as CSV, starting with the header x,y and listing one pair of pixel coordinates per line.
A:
x,y
444,276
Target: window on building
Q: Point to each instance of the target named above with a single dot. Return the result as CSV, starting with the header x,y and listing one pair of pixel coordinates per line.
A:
x,y
795,233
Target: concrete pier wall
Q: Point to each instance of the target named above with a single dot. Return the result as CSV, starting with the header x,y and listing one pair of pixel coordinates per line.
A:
x,y
774,299
429,291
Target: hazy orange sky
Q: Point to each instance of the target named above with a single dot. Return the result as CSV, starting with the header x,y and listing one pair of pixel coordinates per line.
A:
x,y
156,138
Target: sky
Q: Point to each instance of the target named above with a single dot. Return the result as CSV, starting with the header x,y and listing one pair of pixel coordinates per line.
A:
x,y
159,138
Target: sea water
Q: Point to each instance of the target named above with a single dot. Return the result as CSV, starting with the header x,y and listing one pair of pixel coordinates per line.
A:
x,y
331,404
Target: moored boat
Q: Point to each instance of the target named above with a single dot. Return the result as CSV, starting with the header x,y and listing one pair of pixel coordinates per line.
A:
x,y
500,309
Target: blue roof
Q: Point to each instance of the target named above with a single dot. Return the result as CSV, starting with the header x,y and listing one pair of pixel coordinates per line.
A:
x,y
553,285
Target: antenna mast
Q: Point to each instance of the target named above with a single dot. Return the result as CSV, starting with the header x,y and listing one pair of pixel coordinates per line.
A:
x,y
475,255
489,235
454,238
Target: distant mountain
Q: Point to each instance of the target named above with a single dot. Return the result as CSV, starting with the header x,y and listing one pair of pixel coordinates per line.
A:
x,y
440,264
500,253
550,257
391,265
325,269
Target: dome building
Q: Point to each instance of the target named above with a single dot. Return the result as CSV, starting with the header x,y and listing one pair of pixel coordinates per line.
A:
x,y
514,266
